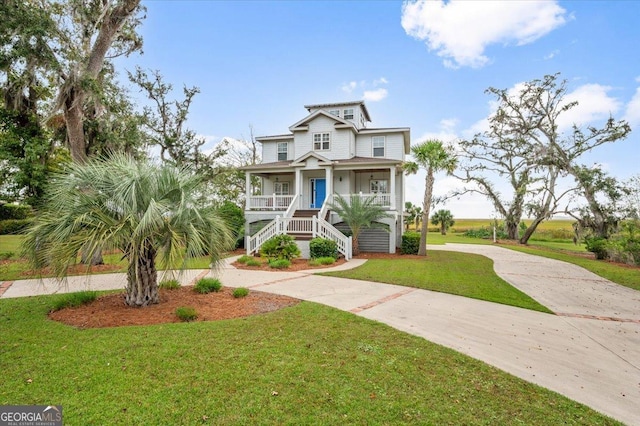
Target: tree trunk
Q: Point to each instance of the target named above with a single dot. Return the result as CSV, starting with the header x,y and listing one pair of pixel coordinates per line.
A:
x,y
530,230
443,229
511,228
355,247
426,206
142,280
75,131
95,258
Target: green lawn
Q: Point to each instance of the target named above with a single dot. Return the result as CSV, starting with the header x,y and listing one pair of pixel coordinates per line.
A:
x,y
307,364
10,244
464,274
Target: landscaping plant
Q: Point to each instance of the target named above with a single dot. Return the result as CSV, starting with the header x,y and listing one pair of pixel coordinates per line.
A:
x,y
208,285
280,247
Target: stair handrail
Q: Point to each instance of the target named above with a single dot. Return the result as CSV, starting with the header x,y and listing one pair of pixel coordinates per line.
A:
x,y
292,207
325,206
326,230
270,230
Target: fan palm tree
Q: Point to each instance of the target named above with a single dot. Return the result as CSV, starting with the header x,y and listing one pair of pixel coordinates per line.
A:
x,y
358,213
433,156
444,218
144,210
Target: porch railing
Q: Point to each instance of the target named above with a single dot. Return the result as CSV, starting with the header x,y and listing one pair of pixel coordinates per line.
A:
x,y
270,202
317,227
379,199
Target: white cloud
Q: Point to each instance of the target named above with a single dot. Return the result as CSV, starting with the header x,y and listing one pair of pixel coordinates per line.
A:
x,y
594,103
551,55
375,95
632,114
368,94
349,87
460,31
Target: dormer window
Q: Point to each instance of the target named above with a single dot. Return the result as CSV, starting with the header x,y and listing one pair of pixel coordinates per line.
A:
x,y
377,146
321,141
347,114
283,151
335,112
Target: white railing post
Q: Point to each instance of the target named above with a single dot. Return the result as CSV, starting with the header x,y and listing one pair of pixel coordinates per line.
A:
x,y
273,204
350,248
314,227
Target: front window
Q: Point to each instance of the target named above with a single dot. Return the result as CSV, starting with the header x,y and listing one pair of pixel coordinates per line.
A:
x,y
377,143
321,141
379,186
281,188
347,114
282,151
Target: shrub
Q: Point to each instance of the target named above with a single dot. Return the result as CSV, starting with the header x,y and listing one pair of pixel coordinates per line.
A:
x,y
253,262
207,285
240,292
13,226
170,284
234,218
73,300
323,247
279,263
244,259
328,260
5,255
598,246
280,247
486,232
186,313
410,243
15,211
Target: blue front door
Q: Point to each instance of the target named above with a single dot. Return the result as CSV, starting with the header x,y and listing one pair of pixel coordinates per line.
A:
x,y
318,192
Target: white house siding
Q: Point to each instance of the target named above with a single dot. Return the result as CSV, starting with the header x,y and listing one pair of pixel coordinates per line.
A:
x,y
270,151
393,147
340,139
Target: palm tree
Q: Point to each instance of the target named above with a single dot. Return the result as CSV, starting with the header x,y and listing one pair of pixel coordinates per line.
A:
x,y
358,213
144,210
444,218
433,156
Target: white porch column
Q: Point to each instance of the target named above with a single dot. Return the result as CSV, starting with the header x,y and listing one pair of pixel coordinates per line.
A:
x,y
392,183
328,174
247,183
299,186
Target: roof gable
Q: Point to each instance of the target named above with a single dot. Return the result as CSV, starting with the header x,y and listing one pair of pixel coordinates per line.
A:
x,y
304,123
300,161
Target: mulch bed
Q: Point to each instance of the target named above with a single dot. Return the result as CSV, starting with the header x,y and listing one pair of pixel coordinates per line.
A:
x,y
110,311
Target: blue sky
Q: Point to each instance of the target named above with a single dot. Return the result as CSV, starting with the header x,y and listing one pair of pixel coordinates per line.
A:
x,y
423,66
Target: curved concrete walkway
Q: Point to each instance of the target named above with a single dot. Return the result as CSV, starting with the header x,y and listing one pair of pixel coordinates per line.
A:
x,y
590,352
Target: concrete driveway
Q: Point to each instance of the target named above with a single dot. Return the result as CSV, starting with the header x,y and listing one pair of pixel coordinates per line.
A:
x,y
590,352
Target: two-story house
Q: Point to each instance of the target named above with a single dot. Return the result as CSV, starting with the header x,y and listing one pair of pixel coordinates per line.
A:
x,y
330,151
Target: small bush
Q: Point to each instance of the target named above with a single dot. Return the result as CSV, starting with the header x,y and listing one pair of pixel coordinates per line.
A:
x,y
253,262
5,255
280,247
15,211
598,246
14,226
410,243
170,284
486,232
328,260
279,263
73,300
244,259
186,313
240,292
207,285
323,247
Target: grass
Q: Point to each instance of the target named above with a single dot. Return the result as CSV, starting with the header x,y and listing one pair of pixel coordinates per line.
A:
x,y
462,274
11,243
317,366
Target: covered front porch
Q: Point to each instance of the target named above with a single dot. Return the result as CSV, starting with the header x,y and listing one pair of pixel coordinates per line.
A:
x,y
311,189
